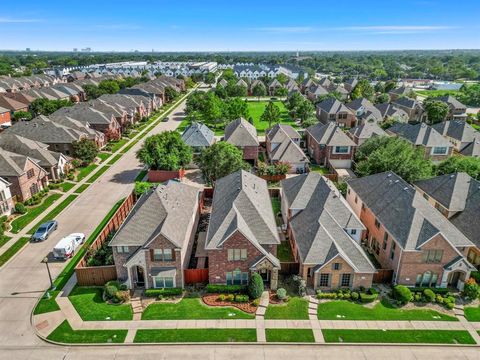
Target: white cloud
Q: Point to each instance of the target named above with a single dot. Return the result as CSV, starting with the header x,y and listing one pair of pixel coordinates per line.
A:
x,y
399,28
12,20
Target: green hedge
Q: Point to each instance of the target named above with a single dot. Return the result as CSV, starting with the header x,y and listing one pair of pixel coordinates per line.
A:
x,y
163,292
228,289
476,276
368,298
435,290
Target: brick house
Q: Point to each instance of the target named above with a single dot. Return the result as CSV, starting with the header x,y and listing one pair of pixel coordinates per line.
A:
x,y
150,249
457,197
332,110
405,234
243,135
365,111
360,134
12,105
5,119
412,108
329,146
242,236
461,134
6,201
457,110
436,147
283,145
25,176
389,111
324,234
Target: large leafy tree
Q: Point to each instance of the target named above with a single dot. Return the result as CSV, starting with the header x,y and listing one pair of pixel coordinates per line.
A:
x,y
212,109
109,86
379,154
363,89
22,115
467,164
305,110
437,110
165,151
85,150
259,90
293,102
219,160
234,108
195,102
210,78
271,114
46,107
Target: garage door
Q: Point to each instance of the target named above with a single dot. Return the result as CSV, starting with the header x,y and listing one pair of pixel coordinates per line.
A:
x,y
341,164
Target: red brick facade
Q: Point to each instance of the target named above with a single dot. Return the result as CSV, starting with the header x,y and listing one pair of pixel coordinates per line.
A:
x,y
250,153
323,154
5,117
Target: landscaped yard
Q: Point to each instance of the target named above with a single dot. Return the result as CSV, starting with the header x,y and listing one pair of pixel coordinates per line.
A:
x,y
54,213
67,186
277,208
4,239
22,221
436,93
83,172
12,250
295,309
289,335
256,109
398,336
284,252
47,304
195,335
115,146
65,334
90,305
103,156
346,310
191,308
318,169
472,313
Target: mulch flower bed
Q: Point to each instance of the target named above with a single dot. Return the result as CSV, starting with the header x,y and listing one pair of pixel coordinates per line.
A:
x,y
274,299
212,300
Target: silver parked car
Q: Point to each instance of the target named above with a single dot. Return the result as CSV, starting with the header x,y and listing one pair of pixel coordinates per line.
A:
x,y
45,230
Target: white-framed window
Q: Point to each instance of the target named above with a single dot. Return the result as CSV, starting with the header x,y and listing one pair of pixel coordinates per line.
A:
x,y
162,255
236,254
324,280
427,279
122,249
342,149
432,256
236,277
336,266
440,150
164,282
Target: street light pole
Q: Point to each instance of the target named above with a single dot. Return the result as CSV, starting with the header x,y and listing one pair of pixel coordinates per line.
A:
x,y
45,260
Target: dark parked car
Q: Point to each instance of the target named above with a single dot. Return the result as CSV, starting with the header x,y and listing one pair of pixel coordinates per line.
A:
x,y
45,230
165,119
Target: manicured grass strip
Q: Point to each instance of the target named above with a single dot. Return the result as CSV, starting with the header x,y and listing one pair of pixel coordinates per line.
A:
x,y
89,303
191,308
67,186
103,156
65,334
346,310
256,109
4,239
436,93
472,313
115,146
290,335
296,309
46,304
81,188
68,270
85,171
12,250
22,221
284,252
141,175
319,169
99,173
398,336
54,213
114,159
132,144
195,335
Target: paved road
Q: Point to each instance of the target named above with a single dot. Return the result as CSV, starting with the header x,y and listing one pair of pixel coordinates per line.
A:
x,y
24,278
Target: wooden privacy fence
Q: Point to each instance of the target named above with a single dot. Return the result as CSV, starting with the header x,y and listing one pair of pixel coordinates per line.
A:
x,y
289,268
99,275
195,276
383,276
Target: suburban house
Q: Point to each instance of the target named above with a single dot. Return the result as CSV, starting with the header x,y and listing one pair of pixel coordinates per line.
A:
x,y
274,86
315,91
360,134
365,111
153,245
329,146
412,107
198,136
283,146
399,92
406,235
457,111
332,110
389,111
5,118
242,236
461,134
12,105
436,147
278,133
324,234
84,128
350,84
25,176
243,135
6,201
457,197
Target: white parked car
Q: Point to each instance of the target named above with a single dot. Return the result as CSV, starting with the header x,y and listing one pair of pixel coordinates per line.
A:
x,y
67,246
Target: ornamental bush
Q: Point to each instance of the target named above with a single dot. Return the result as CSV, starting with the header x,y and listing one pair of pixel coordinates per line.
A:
x,y
163,292
228,289
20,208
402,294
471,289
241,298
281,293
354,295
429,295
255,286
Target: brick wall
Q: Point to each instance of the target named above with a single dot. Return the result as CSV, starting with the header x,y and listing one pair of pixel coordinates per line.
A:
x,y
21,185
162,243
5,117
250,153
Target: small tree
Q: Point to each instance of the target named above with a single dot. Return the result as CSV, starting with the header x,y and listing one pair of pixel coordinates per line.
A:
x,y
142,187
255,286
471,289
382,99
165,151
170,93
437,111
402,294
109,86
259,90
271,113
86,150
22,115
467,164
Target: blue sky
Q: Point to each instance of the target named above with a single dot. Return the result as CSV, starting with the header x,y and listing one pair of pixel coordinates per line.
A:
x,y
212,25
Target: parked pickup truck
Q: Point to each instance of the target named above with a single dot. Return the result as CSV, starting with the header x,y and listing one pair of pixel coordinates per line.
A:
x,y
67,246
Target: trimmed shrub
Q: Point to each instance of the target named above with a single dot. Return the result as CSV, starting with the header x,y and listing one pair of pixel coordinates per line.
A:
x,y
368,298
241,298
110,291
471,289
228,289
441,291
301,285
449,305
327,296
476,276
429,295
20,208
222,297
255,286
402,294
122,296
439,299
163,292
354,295
230,297
281,293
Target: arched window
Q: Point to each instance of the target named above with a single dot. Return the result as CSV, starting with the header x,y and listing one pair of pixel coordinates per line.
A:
x,y
427,279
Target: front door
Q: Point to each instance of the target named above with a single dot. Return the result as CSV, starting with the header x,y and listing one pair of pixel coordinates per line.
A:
x,y
265,274
454,277
140,277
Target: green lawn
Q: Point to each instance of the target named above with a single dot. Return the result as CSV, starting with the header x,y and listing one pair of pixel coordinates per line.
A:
x,y
132,144
81,188
85,171
318,169
103,156
114,159
398,336
277,208
22,221
65,334
46,304
295,309
472,313
67,186
115,146
346,310
4,239
290,335
141,175
90,305
54,213
436,93
195,335
12,250
284,252
256,109
191,308
99,173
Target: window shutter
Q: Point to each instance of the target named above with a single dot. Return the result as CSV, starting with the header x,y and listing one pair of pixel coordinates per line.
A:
x,y
173,254
151,255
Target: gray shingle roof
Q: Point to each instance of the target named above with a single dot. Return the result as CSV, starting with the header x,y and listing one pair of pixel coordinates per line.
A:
x,y
420,134
457,129
241,203
367,130
288,151
405,214
330,135
12,164
85,113
160,211
472,149
279,132
451,101
406,102
333,106
388,110
198,135
241,133
31,148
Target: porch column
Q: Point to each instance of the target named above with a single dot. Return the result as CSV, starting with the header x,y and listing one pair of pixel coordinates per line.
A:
x,y
274,279
444,282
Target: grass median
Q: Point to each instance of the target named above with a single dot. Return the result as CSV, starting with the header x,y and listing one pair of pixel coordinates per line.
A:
x,y
290,335
12,250
99,173
85,171
33,212
195,335
55,212
65,334
81,188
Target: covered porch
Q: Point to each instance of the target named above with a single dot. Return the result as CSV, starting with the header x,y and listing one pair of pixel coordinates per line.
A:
x,y
267,267
456,273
